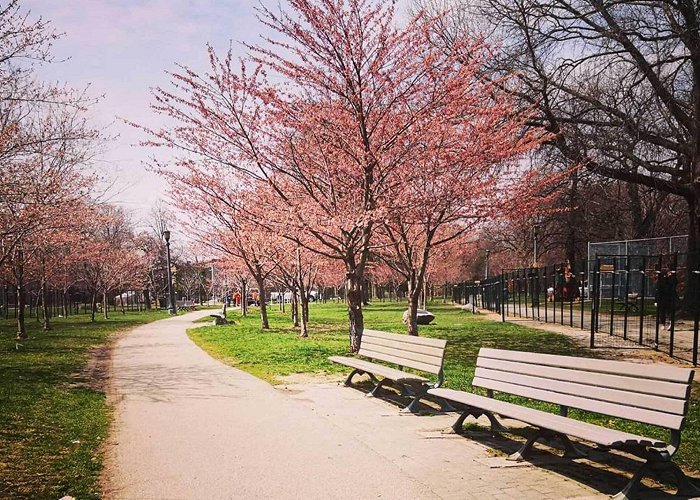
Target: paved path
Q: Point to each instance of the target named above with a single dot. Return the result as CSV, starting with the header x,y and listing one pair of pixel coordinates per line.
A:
x,y
189,427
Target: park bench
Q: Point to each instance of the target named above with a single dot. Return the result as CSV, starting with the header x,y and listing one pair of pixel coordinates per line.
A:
x,y
404,351
651,394
186,306
219,318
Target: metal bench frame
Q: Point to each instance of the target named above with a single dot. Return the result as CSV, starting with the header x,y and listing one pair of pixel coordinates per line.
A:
x,y
418,353
652,394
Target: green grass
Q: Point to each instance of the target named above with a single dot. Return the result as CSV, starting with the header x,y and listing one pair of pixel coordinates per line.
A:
x,y
279,352
53,420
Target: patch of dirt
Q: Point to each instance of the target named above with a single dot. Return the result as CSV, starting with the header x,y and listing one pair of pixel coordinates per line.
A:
x,y
95,374
308,378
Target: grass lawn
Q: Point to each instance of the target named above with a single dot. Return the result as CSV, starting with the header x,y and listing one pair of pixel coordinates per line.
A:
x,y
279,352
53,419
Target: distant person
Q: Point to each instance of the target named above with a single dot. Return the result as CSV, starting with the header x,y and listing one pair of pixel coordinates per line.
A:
x,y
571,285
665,297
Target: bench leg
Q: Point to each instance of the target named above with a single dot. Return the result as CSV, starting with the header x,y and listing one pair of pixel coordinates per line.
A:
x,y
630,491
348,381
445,405
496,426
524,451
570,449
413,406
377,389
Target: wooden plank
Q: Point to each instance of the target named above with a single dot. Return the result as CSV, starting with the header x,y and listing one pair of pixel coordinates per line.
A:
x,y
376,369
622,398
438,352
406,338
557,423
409,363
634,384
646,371
660,419
434,360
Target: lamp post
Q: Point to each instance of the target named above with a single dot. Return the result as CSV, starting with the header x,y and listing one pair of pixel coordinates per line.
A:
x,y
486,272
171,292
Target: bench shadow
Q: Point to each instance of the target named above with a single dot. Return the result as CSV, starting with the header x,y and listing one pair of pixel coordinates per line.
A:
x,y
605,471
428,405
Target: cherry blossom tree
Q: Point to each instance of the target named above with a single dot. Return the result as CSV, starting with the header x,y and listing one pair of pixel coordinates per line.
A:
x,y
330,119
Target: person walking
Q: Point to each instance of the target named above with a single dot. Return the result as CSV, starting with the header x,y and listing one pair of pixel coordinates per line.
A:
x,y
665,297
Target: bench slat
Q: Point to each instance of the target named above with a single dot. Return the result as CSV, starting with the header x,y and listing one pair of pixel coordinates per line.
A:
x,y
411,339
563,386
646,371
660,419
401,361
423,358
538,418
428,350
376,369
634,384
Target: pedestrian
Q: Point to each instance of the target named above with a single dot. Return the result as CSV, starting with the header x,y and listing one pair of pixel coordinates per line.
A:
x,y
572,287
665,297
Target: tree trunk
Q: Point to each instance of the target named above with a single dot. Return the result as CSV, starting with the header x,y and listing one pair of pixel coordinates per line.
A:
x,y
303,298
295,308
44,306
353,299
147,298
121,302
264,323
692,289
21,302
93,309
105,308
414,294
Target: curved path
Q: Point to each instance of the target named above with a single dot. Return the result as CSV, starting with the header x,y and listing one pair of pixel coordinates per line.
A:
x,y
188,426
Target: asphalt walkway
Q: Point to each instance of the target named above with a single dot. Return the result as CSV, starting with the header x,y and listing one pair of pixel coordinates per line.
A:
x,y
190,427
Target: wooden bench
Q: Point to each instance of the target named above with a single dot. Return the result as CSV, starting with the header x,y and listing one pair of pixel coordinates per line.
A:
x,y
219,318
186,306
405,351
652,394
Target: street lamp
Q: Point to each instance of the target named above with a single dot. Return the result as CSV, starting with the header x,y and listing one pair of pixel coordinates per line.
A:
x,y
488,252
171,292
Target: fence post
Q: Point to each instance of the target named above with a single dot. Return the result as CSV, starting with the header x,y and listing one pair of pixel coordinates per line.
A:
x,y
612,296
642,301
595,301
504,295
673,306
582,294
695,274
627,296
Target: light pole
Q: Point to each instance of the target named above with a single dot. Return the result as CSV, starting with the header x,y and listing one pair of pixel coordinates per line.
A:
x,y
171,292
488,252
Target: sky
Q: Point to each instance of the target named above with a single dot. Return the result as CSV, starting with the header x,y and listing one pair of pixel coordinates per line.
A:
x,y
122,48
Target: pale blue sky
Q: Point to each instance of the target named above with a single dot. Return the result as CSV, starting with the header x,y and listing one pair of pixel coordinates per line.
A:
x,y
121,48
